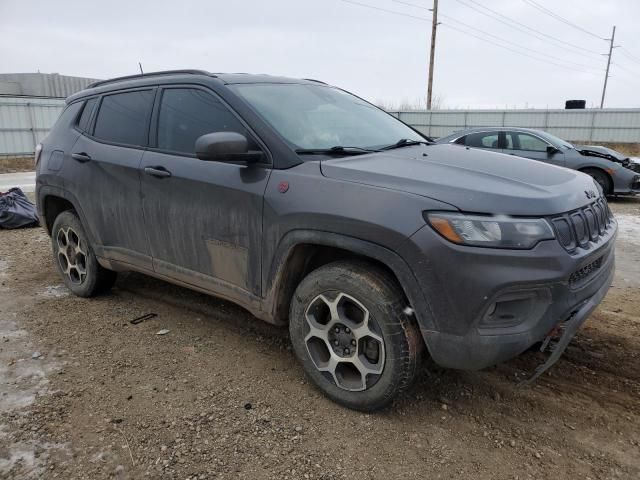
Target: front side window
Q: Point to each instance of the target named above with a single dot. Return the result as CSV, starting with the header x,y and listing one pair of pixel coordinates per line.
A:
x,y
123,118
483,140
188,113
531,143
321,117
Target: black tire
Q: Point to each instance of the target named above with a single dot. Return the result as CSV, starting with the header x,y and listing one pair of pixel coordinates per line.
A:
x,y
75,260
602,178
350,285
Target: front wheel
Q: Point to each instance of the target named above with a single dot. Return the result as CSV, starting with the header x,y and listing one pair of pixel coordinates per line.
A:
x,y
349,331
601,179
74,257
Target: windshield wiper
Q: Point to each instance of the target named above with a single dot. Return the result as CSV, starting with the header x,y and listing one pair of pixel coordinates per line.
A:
x,y
337,150
405,142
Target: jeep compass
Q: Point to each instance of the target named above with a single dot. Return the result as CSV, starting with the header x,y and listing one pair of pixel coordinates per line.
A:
x,y
312,208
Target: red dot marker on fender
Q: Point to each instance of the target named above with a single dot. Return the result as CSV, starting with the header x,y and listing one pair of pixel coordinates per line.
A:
x,y
283,187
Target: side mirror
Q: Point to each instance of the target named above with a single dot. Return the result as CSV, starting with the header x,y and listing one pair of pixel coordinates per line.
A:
x,y
226,147
551,150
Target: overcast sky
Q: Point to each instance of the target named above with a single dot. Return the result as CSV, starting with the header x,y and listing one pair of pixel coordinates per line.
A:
x,y
373,53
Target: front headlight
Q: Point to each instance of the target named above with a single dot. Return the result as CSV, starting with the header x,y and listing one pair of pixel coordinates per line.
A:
x,y
490,231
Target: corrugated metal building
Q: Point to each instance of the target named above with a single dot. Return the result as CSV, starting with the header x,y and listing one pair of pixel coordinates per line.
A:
x,y
42,84
29,106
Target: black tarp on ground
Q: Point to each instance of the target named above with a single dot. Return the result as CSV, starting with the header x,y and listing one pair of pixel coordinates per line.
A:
x,y
16,211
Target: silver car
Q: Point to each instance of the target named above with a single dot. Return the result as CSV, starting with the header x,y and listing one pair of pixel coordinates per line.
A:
x,y
614,172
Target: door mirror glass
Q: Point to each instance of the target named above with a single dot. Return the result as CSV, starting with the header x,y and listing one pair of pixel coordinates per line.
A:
x,y
225,147
551,150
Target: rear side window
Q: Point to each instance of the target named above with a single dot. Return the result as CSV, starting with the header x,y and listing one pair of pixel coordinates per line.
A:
x,y
483,140
123,118
85,117
188,113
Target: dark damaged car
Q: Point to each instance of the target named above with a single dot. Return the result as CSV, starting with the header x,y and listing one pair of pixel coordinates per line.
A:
x,y
615,173
314,209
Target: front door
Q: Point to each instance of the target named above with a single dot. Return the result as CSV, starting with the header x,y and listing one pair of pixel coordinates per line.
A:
x,y
531,146
203,219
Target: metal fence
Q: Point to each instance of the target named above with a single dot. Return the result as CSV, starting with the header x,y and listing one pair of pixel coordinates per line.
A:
x,y
591,125
24,121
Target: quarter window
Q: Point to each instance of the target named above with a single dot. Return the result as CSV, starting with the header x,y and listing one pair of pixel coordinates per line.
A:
x,y
188,113
123,118
83,121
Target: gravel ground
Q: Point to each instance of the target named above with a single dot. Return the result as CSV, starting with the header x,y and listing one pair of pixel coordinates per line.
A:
x,y
86,394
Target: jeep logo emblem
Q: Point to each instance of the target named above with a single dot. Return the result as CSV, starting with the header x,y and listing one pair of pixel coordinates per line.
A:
x,y
590,194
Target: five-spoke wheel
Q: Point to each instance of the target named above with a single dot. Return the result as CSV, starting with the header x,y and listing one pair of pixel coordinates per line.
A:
x,y
349,330
72,255
344,341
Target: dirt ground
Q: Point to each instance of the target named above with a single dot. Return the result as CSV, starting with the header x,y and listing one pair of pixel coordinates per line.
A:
x,y
86,394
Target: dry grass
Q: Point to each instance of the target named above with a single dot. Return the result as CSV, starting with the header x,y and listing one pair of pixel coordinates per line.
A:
x,y
630,149
16,164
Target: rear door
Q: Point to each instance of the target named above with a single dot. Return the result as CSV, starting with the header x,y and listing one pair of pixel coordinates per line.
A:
x,y
204,219
104,174
531,146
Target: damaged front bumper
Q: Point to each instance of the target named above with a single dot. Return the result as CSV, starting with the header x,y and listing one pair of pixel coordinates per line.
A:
x,y
559,338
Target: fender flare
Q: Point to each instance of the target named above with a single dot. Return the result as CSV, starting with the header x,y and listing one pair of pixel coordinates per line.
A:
x,y
387,257
45,191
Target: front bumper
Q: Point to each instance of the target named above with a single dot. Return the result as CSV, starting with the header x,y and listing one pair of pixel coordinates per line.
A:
x,y
489,305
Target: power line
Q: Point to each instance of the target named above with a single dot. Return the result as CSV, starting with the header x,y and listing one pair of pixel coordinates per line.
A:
x,y
555,41
373,7
544,60
627,54
501,39
516,51
545,10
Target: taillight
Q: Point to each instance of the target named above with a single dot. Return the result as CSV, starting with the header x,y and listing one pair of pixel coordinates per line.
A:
x,y
36,157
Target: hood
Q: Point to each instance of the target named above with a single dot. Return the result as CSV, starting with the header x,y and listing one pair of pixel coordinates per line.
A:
x,y
470,179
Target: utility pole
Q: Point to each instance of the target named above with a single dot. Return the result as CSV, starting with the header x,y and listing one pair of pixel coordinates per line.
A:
x,y
606,75
434,27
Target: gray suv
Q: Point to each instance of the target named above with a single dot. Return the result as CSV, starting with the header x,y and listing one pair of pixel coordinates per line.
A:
x,y
314,209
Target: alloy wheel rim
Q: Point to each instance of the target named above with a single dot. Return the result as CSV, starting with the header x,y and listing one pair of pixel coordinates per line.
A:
x,y
344,342
72,255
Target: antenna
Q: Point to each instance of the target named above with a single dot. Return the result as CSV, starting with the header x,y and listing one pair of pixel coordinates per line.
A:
x,y
140,65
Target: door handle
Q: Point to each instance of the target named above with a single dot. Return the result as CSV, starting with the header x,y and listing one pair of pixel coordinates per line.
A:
x,y
81,157
158,172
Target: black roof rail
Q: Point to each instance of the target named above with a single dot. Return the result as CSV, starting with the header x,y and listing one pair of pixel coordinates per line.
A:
x,y
150,74
314,80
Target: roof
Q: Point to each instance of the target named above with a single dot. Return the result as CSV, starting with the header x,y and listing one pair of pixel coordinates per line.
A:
x,y
150,78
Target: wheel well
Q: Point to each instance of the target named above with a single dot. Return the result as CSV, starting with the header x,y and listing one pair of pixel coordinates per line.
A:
x,y
599,170
304,259
54,206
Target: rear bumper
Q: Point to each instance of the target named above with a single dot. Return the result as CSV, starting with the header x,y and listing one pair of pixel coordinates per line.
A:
x,y
490,305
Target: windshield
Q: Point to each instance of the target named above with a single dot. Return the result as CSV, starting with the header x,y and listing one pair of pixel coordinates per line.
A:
x,y
559,142
321,117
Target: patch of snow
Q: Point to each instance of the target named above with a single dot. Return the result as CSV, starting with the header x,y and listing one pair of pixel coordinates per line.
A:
x,y
54,291
629,228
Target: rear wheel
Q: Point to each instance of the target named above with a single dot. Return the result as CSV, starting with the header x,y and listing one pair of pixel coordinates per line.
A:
x,y
602,178
74,257
350,332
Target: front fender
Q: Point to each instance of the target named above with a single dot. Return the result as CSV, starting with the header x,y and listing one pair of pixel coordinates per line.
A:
x,y
393,261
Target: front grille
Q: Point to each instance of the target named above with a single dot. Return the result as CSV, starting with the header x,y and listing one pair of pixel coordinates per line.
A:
x,y
579,227
580,276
